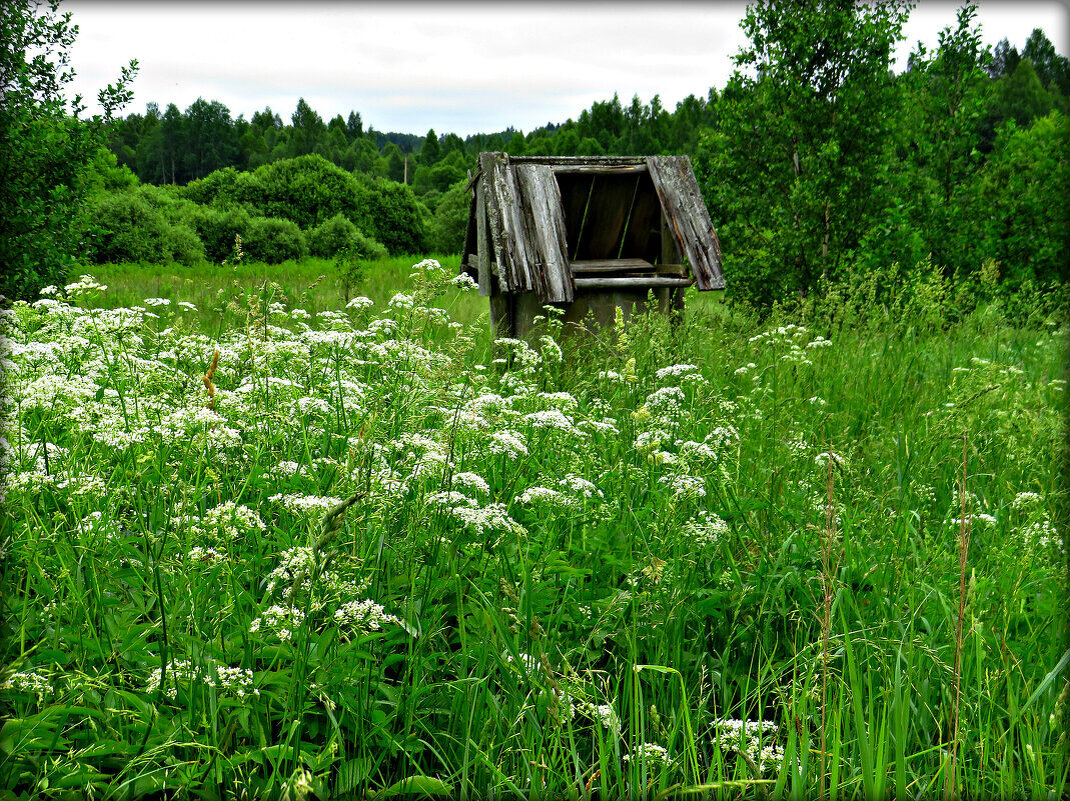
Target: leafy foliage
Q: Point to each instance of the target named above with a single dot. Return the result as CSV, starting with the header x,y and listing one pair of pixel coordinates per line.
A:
x,y
272,240
307,190
1019,208
352,552
790,171
447,228
128,227
338,234
47,147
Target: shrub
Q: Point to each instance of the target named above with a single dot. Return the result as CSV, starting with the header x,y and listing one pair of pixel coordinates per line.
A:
x,y
129,228
219,186
183,245
339,233
1019,212
217,229
448,223
273,241
395,217
307,190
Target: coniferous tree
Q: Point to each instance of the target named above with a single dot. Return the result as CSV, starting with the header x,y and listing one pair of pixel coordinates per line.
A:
x,y
307,131
354,126
430,150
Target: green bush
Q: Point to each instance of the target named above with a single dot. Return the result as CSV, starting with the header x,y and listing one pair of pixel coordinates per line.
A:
x,y
127,227
183,245
273,241
218,187
217,229
1019,213
446,234
308,190
395,217
338,233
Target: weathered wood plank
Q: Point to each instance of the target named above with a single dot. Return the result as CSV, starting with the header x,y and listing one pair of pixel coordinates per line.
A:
x,y
598,169
545,233
688,218
490,196
634,281
612,265
506,223
517,242
483,245
578,160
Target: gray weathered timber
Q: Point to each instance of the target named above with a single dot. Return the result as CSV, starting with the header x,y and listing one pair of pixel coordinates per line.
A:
x,y
482,241
632,281
590,235
494,216
598,169
545,231
688,218
612,266
579,161
510,246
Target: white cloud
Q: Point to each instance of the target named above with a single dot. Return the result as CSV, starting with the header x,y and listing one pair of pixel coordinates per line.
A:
x,y
458,67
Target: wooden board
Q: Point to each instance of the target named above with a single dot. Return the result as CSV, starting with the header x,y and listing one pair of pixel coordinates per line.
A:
x,y
544,233
612,266
494,226
598,169
578,161
631,281
506,223
687,217
482,236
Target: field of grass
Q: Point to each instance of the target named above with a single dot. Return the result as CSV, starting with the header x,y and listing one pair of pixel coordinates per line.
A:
x,y
312,284
296,548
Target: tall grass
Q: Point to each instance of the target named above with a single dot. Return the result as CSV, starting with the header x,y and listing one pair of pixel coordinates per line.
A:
x,y
357,552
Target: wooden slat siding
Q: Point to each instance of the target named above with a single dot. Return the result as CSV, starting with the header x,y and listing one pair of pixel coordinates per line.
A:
x,y
688,218
483,245
518,246
612,266
606,217
505,223
545,233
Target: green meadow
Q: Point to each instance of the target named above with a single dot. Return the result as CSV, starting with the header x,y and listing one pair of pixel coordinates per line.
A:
x,y
275,535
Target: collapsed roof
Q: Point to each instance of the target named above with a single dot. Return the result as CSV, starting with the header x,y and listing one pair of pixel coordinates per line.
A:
x,y
539,224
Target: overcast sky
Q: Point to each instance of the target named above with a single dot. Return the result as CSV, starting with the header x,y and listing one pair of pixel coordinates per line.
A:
x,y
455,67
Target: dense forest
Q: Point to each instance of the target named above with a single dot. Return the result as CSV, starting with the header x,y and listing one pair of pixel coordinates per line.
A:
x,y
817,161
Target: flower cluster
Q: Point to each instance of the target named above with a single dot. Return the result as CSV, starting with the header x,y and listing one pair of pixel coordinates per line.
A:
x,y
752,739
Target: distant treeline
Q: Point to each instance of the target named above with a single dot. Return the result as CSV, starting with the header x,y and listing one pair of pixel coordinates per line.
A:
x,y
817,161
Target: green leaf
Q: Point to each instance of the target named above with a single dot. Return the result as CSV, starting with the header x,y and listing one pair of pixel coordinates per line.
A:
x,y
416,785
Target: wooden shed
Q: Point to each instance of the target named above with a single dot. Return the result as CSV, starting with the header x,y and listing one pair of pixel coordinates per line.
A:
x,y
588,234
